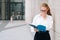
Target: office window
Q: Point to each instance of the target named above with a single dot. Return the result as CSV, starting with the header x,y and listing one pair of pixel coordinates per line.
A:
x,y
14,8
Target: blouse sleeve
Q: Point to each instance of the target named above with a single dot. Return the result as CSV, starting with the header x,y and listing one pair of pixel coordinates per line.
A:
x,y
50,24
33,23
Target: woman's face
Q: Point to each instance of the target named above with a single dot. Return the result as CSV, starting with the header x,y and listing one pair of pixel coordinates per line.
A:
x,y
44,10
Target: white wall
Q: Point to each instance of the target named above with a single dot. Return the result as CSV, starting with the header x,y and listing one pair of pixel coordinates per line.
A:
x,y
57,18
32,7
55,6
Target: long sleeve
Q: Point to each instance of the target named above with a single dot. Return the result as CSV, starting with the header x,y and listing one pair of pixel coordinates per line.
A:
x,y
50,24
33,23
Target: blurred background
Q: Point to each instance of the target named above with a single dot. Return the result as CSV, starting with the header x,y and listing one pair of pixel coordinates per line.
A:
x,y
16,14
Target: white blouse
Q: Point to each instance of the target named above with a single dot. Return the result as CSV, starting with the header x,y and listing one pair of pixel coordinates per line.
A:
x,y
38,20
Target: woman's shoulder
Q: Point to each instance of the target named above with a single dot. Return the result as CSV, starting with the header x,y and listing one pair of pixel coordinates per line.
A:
x,y
50,17
36,16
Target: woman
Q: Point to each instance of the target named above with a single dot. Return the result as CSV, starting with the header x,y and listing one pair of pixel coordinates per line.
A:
x,y
43,18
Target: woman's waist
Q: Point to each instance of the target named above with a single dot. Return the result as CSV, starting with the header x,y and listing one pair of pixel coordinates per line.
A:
x,y
43,31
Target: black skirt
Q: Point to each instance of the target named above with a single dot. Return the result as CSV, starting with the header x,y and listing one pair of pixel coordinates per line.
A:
x,y
42,36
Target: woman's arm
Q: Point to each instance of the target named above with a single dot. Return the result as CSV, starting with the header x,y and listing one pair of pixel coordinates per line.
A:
x,y
50,24
34,23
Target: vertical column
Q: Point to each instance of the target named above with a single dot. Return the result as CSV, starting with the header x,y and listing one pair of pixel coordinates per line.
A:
x,y
57,18
3,9
28,11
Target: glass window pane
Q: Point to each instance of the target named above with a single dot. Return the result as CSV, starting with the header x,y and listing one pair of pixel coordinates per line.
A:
x,y
13,8
17,10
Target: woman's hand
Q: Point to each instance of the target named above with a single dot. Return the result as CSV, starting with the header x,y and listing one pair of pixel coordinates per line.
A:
x,y
36,30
